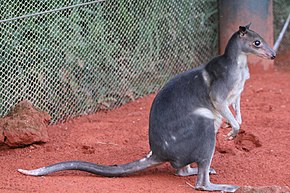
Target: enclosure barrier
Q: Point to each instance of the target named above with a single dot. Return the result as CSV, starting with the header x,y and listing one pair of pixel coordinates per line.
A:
x,y
75,57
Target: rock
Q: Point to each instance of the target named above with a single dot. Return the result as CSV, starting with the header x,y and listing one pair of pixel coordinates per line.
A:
x,y
24,125
263,189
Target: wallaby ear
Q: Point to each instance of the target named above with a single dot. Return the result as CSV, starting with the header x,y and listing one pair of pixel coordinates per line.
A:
x,y
248,26
242,30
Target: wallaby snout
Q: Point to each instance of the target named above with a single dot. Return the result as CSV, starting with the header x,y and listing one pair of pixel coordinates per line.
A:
x,y
273,55
266,52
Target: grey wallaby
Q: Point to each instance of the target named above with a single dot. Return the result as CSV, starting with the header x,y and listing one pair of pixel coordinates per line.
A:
x,y
186,114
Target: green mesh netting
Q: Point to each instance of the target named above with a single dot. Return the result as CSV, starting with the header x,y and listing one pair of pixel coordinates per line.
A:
x,y
77,60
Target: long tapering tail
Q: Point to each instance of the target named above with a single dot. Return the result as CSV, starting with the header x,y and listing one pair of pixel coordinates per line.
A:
x,y
103,170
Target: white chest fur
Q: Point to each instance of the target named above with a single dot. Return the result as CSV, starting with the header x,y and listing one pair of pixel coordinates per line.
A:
x,y
241,74
243,68
242,60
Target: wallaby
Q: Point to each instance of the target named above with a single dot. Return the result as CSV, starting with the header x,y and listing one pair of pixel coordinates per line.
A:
x,y
186,114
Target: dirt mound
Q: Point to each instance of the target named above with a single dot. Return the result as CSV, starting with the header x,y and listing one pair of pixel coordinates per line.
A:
x,y
246,141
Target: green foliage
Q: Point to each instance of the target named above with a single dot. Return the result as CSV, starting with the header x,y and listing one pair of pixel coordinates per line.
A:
x,y
99,56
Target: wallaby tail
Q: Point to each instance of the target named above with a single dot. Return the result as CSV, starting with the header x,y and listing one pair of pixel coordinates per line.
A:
x,y
103,170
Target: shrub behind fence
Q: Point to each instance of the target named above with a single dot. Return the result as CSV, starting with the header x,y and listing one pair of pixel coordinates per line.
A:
x,y
74,57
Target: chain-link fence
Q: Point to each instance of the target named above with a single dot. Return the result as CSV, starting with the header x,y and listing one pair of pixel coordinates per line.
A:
x,y
74,57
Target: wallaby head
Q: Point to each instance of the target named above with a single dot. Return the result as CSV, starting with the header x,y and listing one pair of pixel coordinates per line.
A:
x,y
253,43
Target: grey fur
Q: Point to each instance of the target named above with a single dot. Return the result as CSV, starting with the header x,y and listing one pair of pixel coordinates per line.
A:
x,y
186,114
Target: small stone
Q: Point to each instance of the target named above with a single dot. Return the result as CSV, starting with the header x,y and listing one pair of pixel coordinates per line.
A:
x,y
263,189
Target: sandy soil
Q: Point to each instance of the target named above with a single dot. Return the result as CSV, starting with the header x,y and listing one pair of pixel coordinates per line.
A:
x,y
259,156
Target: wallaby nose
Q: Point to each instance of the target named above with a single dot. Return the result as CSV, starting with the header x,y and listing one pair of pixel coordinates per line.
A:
x,y
273,56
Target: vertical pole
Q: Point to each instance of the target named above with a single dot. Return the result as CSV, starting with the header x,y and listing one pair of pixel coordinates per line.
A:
x,y
234,13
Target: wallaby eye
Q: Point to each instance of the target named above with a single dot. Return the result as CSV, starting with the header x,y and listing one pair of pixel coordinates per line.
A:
x,y
257,43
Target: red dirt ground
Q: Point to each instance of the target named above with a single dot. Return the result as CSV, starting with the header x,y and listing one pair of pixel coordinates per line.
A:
x,y
259,156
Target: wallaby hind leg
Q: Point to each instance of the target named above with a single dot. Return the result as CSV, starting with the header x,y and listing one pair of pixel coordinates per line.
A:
x,y
203,182
189,171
